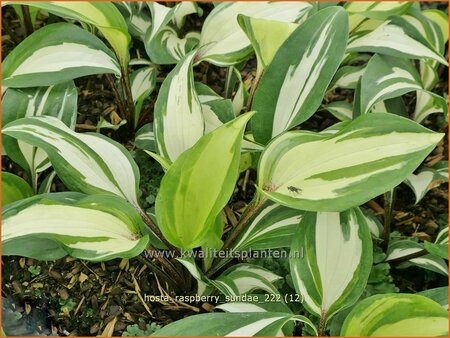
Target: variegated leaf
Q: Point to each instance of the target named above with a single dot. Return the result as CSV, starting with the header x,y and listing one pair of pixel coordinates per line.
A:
x,y
442,237
378,10
333,172
260,305
217,111
138,21
387,77
232,324
241,95
347,77
257,306
168,48
440,18
199,184
360,10
105,124
365,26
266,37
403,248
87,162
432,26
140,62
238,280
179,121
95,228
224,43
206,94
14,188
429,30
143,82
162,43
165,163
340,109
46,186
57,53
184,9
429,262
396,106
428,74
104,15
203,283
396,315
331,259
273,226
59,101
294,84
145,138
161,16
245,278
428,103
427,179
374,224
392,39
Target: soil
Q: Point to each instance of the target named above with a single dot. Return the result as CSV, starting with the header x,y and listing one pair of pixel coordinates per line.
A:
x,y
79,298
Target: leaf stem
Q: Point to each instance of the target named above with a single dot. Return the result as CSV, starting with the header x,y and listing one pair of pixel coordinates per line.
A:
x,y
125,78
34,182
322,323
154,228
255,85
117,96
159,256
158,271
248,214
388,205
228,88
27,19
251,210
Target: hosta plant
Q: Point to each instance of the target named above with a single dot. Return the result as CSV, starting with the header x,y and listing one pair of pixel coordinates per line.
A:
x,y
312,184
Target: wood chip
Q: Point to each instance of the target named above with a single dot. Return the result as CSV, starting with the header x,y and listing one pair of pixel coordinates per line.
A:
x,y
17,287
94,329
208,307
73,282
124,264
138,292
109,328
63,294
37,285
82,278
55,275
422,235
128,317
94,302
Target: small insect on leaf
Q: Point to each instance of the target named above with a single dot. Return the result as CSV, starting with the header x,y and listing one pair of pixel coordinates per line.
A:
x,y
294,190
